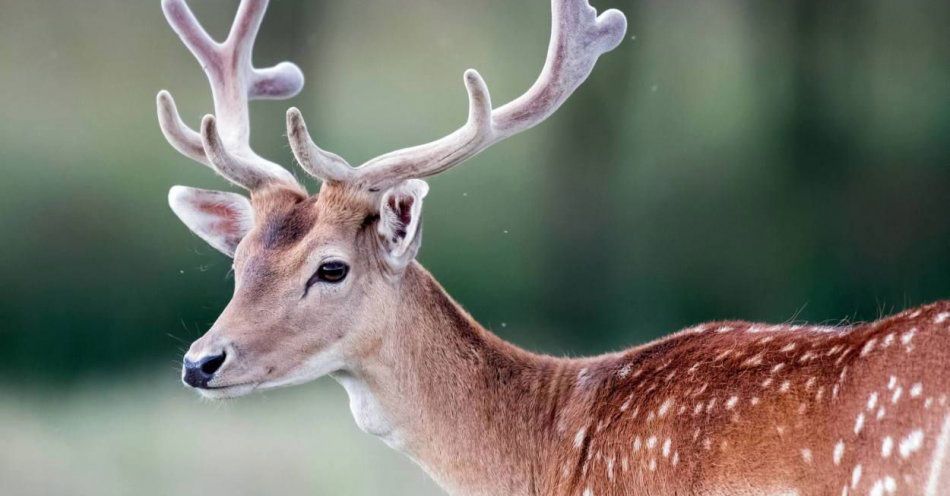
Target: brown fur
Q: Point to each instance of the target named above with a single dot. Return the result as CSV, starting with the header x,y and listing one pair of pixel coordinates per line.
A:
x,y
746,408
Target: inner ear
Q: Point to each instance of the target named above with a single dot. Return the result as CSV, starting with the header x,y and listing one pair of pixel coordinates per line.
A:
x,y
400,214
221,219
401,208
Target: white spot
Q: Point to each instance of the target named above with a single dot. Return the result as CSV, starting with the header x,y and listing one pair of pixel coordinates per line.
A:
x,y
666,447
834,392
928,402
891,383
767,382
789,347
859,423
872,401
676,458
712,403
724,329
665,407
886,447
785,386
868,346
582,377
842,355
897,395
937,461
810,383
820,393
696,433
838,452
806,455
888,340
753,361
754,400
914,314
856,476
806,357
651,442
777,367
916,389
588,492
625,371
908,336
780,429
731,402
698,408
579,437
880,413
652,464
610,468
911,443
801,408
636,444
942,316
890,485
877,489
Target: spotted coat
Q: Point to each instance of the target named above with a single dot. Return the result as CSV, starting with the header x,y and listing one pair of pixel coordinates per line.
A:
x,y
748,409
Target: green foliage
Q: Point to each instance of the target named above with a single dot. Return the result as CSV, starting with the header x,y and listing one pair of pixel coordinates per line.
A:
x,y
729,160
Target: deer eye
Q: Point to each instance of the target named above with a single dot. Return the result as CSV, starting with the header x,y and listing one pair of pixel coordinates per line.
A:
x,y
332,272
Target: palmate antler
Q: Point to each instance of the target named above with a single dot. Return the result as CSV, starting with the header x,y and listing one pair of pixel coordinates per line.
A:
x,y
223,143
578,37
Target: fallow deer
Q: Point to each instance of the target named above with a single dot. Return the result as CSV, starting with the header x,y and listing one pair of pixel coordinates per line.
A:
x,y
327,285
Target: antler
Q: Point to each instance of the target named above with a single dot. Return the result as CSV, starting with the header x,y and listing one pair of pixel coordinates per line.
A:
x,y
224,141
578,37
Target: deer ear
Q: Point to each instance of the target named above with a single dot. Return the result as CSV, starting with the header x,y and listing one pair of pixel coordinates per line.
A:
x,y
400,230
221,219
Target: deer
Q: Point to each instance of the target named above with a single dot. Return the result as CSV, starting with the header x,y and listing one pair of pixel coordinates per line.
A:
x,y
328,285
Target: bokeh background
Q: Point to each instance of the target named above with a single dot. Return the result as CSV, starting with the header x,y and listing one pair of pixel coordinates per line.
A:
x,y
769,161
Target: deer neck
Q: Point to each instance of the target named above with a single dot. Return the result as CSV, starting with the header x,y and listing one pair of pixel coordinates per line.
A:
x,y
461,402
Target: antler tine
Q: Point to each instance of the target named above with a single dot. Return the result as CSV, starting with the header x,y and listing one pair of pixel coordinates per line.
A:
x,y
224,141
318,162
578,37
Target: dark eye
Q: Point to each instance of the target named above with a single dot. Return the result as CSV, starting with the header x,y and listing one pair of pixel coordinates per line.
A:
x,y
332,272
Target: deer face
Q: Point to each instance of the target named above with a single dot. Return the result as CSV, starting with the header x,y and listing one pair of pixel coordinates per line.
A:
x,y
308,273
307,270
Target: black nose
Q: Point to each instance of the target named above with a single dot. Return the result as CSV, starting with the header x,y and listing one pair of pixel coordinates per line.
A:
x,y
197,374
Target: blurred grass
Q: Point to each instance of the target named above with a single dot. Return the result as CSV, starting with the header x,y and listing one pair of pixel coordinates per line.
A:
x,y
143,435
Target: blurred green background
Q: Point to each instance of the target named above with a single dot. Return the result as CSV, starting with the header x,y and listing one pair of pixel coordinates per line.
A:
x,y
767,161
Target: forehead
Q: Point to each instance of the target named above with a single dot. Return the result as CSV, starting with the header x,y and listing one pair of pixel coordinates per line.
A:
x,y
285,217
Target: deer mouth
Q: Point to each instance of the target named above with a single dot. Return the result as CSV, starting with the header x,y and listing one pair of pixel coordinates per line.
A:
x,y
226,391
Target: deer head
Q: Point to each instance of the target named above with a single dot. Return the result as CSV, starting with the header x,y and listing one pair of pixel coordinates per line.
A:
x,y
317,277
